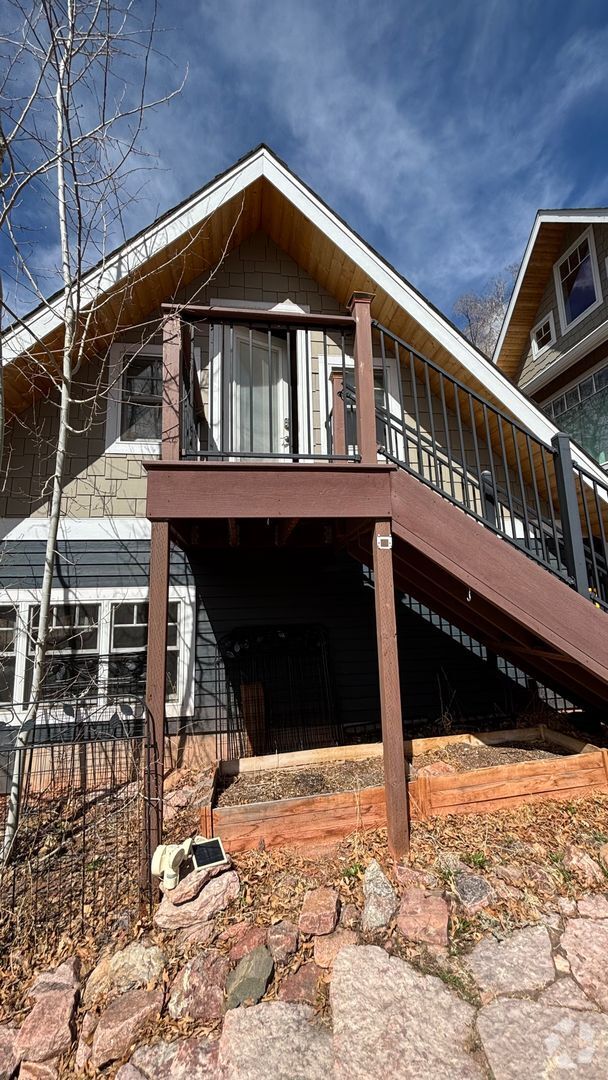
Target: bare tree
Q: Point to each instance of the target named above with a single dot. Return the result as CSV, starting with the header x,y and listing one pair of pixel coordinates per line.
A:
x,y
73,98
481,314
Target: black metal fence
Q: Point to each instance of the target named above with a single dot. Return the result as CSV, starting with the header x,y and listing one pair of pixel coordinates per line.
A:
x,y
77,855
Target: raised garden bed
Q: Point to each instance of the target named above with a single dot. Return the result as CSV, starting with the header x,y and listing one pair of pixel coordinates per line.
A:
x,y
554,766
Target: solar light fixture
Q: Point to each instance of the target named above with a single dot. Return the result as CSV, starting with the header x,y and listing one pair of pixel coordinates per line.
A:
x,y
167,860
207,853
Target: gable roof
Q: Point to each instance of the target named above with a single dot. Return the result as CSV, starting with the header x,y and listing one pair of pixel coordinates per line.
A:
x,y
259,191
544,246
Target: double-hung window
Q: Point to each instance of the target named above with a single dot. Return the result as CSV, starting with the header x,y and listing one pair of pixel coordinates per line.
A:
x,y
577,281
128,649
134,418
543,335
96,653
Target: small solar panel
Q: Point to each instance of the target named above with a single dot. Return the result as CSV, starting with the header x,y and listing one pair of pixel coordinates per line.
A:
x,y
207,852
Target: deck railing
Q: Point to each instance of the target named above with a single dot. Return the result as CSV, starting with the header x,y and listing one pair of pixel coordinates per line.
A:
x,y
263,385
528,492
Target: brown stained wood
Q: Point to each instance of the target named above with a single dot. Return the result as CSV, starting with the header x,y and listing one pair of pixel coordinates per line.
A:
x,y
495,774
291,821
172,383
338,429
509,803
395,776
155,686
515,786
511,590
359,306
202,490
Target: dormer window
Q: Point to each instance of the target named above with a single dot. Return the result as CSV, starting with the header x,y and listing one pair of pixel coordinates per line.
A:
x,y
543,335
577,281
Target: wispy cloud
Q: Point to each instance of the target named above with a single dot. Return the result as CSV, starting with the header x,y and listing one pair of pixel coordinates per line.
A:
x,y
437,130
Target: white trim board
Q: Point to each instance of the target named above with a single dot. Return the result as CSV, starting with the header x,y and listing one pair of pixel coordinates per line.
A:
x,y
586,345
108,528
262,163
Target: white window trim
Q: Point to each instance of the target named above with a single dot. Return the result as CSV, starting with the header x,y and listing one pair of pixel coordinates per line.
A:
x,y
564,325
22,599
536,352
114,443
575,382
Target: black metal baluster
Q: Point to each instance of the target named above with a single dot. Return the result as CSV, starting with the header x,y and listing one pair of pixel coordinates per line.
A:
x,y
401,405
536,498
344,393
549,496
416,414
251,390
501,436
583,496
497,505
448,444
328,425
465,468
387,415
429,402
524,504
211,381
270,394
476,450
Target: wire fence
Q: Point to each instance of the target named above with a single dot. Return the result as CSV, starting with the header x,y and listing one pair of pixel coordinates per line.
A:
x,y
79,854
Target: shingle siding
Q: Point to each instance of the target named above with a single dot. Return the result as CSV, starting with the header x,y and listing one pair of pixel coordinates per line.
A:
x,y
533,366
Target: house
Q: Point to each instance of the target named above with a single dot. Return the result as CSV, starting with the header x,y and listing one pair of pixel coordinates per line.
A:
x,y
554,340
278,414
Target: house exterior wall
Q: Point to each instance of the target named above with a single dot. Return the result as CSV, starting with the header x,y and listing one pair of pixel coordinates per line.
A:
x,y
533,366
111,485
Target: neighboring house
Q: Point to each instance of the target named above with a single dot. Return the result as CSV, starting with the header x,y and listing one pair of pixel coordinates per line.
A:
x,y
554,340
295,413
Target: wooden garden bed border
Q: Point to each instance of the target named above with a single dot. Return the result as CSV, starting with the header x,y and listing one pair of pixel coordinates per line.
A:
x,y
314,818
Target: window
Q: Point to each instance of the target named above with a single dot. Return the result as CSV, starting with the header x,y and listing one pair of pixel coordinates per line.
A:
x,y
134,418
582,411
128,649
543,335
71,665
8,620
141,398
577,281
97,650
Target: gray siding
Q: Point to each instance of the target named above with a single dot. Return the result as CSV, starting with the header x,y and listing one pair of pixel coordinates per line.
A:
x,y
84,564
534,366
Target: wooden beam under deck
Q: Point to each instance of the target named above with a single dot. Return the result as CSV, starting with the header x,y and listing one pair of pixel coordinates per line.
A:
x,y
205,490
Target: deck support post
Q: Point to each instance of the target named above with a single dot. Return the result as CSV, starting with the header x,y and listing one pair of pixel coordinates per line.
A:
x,y
569,513
155,695
172,385
395,776
360,309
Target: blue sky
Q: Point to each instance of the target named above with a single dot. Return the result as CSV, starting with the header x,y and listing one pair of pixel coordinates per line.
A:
x,y
435,128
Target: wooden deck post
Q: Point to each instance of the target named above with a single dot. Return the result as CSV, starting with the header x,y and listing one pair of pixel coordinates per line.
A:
x,y
338,429
155,691
172,385
359,307
395,777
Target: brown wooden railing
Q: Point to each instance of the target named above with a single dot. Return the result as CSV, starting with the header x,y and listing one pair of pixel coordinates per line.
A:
x,y
266,385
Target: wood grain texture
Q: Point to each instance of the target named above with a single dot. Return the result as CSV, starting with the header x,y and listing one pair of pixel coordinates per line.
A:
x,y
203,490
360,308
172,383
395,777
156,681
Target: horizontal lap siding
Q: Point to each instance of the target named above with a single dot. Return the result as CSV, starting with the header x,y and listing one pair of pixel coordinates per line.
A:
x,y
84,564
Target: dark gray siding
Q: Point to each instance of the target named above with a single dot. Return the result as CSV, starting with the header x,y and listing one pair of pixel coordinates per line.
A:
x,y
84,564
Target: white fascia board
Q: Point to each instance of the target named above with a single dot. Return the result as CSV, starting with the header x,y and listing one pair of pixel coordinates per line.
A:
x,y
107,528
135,253
481,368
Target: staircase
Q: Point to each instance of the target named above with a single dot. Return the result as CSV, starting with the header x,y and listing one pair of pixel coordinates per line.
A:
x,y
497,532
